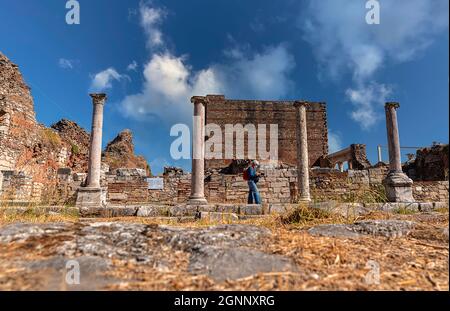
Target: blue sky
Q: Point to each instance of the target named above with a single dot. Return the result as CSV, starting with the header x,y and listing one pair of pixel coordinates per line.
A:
x,y
151,56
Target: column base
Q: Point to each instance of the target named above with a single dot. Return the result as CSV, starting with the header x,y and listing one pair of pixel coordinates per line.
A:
x,y
398,187
304,199
197,200
88,197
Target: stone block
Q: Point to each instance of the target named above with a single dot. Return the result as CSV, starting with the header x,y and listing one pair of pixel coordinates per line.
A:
x,y
440,205
183,210
278,208
398,187
91,198
118,196
251,209
227,208
426,207
151,211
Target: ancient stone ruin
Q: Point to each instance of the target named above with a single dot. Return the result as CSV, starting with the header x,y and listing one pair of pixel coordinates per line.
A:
x,y
48,165
64,164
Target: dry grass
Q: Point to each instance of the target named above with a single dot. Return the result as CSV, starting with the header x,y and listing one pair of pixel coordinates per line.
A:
x,y
417,262
366,194
303,215
35,214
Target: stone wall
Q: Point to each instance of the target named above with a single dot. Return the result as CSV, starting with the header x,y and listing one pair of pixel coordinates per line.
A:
x,y
223,111
134,189
276,186
17,187
17,118
431,191
429,164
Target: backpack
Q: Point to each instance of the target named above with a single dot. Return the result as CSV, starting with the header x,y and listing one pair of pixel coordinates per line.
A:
x,y
245,175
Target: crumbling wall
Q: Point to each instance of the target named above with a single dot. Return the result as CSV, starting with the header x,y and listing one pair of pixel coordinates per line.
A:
x,y
430,164
17,118
276,186
431,191
355,156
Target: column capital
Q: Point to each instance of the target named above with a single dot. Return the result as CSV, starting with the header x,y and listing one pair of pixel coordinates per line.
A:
x,y
199,100
394,105
301,103
99,98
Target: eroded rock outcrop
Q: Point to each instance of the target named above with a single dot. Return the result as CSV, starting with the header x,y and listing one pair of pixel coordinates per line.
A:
x,y
119,153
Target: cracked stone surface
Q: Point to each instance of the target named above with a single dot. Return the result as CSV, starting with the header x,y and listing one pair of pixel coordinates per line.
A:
x,y
220,252
221,263
121,255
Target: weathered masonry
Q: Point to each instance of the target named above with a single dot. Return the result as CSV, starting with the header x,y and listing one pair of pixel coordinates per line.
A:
x,y
221,111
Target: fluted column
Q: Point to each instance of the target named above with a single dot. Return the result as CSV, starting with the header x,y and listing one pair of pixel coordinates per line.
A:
x,y
397,184
302,152
198,158
95,149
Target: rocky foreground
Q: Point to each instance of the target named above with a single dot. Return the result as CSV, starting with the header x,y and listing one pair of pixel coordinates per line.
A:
x,y
405,252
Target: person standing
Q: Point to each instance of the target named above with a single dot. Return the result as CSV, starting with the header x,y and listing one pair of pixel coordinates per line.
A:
x,y
252,179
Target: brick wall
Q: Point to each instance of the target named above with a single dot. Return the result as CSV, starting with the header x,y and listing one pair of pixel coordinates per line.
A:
x,y
222,111
276,186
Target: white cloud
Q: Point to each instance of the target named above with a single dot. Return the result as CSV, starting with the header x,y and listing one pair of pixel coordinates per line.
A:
x,y
151,18
66,63
334,141
344,43
103,80
366,100
257,75
132,66
169,81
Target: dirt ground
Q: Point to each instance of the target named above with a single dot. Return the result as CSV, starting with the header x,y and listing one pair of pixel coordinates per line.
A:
x,y
145,254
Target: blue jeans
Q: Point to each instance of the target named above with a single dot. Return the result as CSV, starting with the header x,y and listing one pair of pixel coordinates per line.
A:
x,y
253,193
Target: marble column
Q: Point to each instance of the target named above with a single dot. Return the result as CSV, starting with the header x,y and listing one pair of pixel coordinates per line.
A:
x,y
341,167
380,159
397,184
198,158
95,150
92,195
302,152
